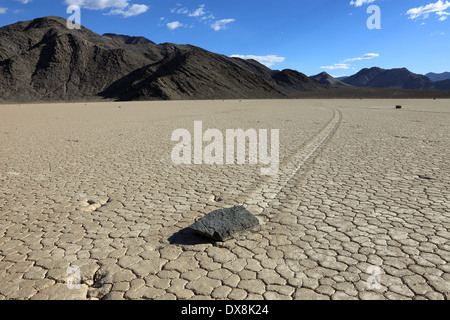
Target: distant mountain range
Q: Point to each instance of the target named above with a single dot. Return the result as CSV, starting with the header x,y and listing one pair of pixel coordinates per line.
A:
x,y
386,78
42,60
393,78
327,79
438,76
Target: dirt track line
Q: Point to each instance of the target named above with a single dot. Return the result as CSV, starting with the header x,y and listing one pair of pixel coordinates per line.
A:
x,y
261,197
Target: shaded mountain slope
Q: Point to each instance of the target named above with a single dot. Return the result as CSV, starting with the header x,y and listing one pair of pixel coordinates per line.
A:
x,y
43,60
120,38
392,78
325,78
441,85
294,81
438,76
192,74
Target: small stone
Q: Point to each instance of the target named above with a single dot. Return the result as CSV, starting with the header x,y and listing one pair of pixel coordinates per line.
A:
x,y
224,224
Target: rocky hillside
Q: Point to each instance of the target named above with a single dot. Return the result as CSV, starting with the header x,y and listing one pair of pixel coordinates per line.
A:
x,y
388,78
325,78
438,76
441,85
42,60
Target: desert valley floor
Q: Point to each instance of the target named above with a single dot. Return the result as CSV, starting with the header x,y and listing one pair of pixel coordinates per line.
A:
x,y
360,208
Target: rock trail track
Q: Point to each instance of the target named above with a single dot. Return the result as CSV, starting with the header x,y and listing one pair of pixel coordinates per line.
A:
x,y
358,210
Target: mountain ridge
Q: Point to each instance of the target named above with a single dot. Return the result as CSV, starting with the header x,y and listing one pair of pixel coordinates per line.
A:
x,y
132,40
325,78
438,76
400,78
43,60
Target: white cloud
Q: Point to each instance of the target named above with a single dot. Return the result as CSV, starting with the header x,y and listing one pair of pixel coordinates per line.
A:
x,y
367,56
221,24
268,60
133,10
179,10
200,15
437,33
99,4
24,1
345,65
424,12
207,17
117,7
359,3
442,18
336,66
173,25
3,10
198,12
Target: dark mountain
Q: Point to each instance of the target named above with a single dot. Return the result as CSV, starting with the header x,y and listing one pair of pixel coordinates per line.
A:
x,y
42,60
127,39
325,78
192,73
441,85
392,78
438,76
292,81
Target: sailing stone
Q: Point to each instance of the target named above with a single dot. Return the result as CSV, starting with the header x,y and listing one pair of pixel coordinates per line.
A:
x,y
224,224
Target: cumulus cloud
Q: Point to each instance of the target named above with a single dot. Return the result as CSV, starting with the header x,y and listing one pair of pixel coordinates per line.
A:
x,y
367,56
173,25
359,3
221,24
336,66
3,10
24,1
268,60
117,7
424,12
133,10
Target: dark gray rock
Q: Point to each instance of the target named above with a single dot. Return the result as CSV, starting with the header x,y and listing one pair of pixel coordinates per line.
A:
x,y
224,224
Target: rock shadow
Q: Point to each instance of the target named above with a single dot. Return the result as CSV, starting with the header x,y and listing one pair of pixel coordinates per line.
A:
x,y
189,237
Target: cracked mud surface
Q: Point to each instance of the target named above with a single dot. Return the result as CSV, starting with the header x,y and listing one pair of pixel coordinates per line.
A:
x,y
361,186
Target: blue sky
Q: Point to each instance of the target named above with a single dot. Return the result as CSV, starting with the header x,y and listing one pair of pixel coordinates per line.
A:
x,y
310,36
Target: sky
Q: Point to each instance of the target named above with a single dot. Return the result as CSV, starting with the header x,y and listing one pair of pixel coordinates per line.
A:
x,y
336,36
